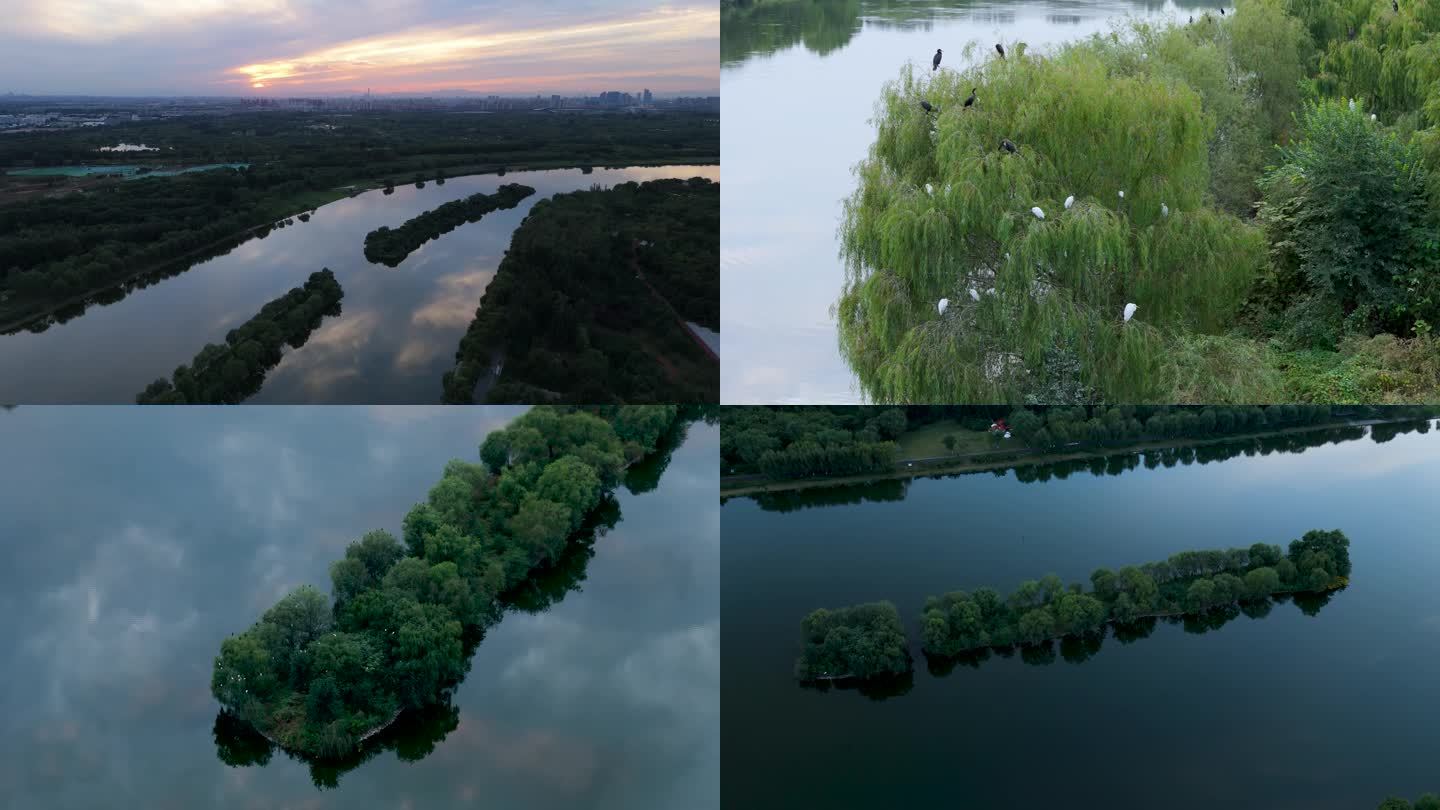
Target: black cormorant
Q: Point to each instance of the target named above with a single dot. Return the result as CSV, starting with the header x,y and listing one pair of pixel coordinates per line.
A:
x,y
925,104
1222,11
1007,145
971,99
1000,49
935,63
1395,5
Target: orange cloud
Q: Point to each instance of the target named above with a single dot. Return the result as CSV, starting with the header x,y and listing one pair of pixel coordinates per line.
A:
x,y
477,48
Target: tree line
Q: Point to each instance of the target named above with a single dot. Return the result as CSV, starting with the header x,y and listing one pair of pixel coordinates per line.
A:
x,y
568,316
390,247
1187,582
804,441
229,372
316,674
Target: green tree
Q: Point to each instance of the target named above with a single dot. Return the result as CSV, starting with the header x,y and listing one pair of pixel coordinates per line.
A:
x,y
1200,595
1036,625
571,483
541,527
1352,241
1261,582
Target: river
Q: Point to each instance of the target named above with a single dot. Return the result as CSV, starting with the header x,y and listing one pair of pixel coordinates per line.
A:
x,y
137,539
1325,708
394,340
800,79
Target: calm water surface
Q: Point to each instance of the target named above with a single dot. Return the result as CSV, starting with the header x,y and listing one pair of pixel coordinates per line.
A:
x,y
135,540
799,81
1289,710
394,340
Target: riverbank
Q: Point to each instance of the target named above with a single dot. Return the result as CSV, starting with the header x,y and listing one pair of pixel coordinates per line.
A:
x,y
1003,459
283,208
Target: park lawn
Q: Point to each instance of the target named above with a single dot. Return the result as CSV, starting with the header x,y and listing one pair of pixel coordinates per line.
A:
x,y
929,440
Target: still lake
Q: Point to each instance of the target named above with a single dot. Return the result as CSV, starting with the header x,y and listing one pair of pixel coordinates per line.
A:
x,y
1288,710
137,539
397,332
800,79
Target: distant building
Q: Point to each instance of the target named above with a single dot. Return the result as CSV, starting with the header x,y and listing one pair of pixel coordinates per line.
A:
x,y
649,99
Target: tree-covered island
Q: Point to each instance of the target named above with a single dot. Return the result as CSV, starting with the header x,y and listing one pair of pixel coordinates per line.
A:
x,y
392,246
227,373
1187,583
863,641
318,676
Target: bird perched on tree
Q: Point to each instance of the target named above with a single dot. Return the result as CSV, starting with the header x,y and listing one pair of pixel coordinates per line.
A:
x,y
1037,212
1069,201
1222,11
1130,312
1164,210
926,106
935,63
1395,5
1000,49
974,295
971,100
1192,20
944,302
1007,145
1122,195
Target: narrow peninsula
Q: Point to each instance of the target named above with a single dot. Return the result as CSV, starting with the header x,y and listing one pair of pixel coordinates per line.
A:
x,y
319,677
390,247
594,300
225,374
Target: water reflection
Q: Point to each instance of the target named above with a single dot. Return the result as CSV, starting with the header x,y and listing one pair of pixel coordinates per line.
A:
x,y
395,340
895,489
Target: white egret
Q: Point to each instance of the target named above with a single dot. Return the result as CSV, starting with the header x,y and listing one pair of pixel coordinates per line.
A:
x,y
1352,105
929,189
1069,201
1122,195
1372,116
1164,210
974,296
944,302
1037,212
1130,312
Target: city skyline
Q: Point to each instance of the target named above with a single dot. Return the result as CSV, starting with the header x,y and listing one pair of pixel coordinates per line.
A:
x,y
279,48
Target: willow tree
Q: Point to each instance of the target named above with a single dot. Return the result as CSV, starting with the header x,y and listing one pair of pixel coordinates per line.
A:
x,y
1389,59
943,212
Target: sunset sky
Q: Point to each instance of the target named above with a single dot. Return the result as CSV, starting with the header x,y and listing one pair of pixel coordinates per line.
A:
x,y
303,47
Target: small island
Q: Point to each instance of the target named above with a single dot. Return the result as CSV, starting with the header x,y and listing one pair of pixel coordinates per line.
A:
x,y
319,678
1189,582
227,373
859,642
390,247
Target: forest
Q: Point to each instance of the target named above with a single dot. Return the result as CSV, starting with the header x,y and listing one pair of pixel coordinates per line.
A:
x,y
1187,582
66,237
863,641
808,441
228,373
1242,208
585,306
317,674
390,247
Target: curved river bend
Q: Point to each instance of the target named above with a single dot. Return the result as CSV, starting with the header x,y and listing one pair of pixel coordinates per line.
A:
x,y
396,335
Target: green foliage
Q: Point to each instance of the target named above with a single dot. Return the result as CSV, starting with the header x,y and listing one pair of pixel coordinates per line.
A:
x,y
863,641
391,247
228,373
317,678
587,305
1085,126
1353,244
54,247
1188,582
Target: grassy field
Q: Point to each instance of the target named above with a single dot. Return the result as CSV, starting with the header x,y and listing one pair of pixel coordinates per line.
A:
x,y
929,441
